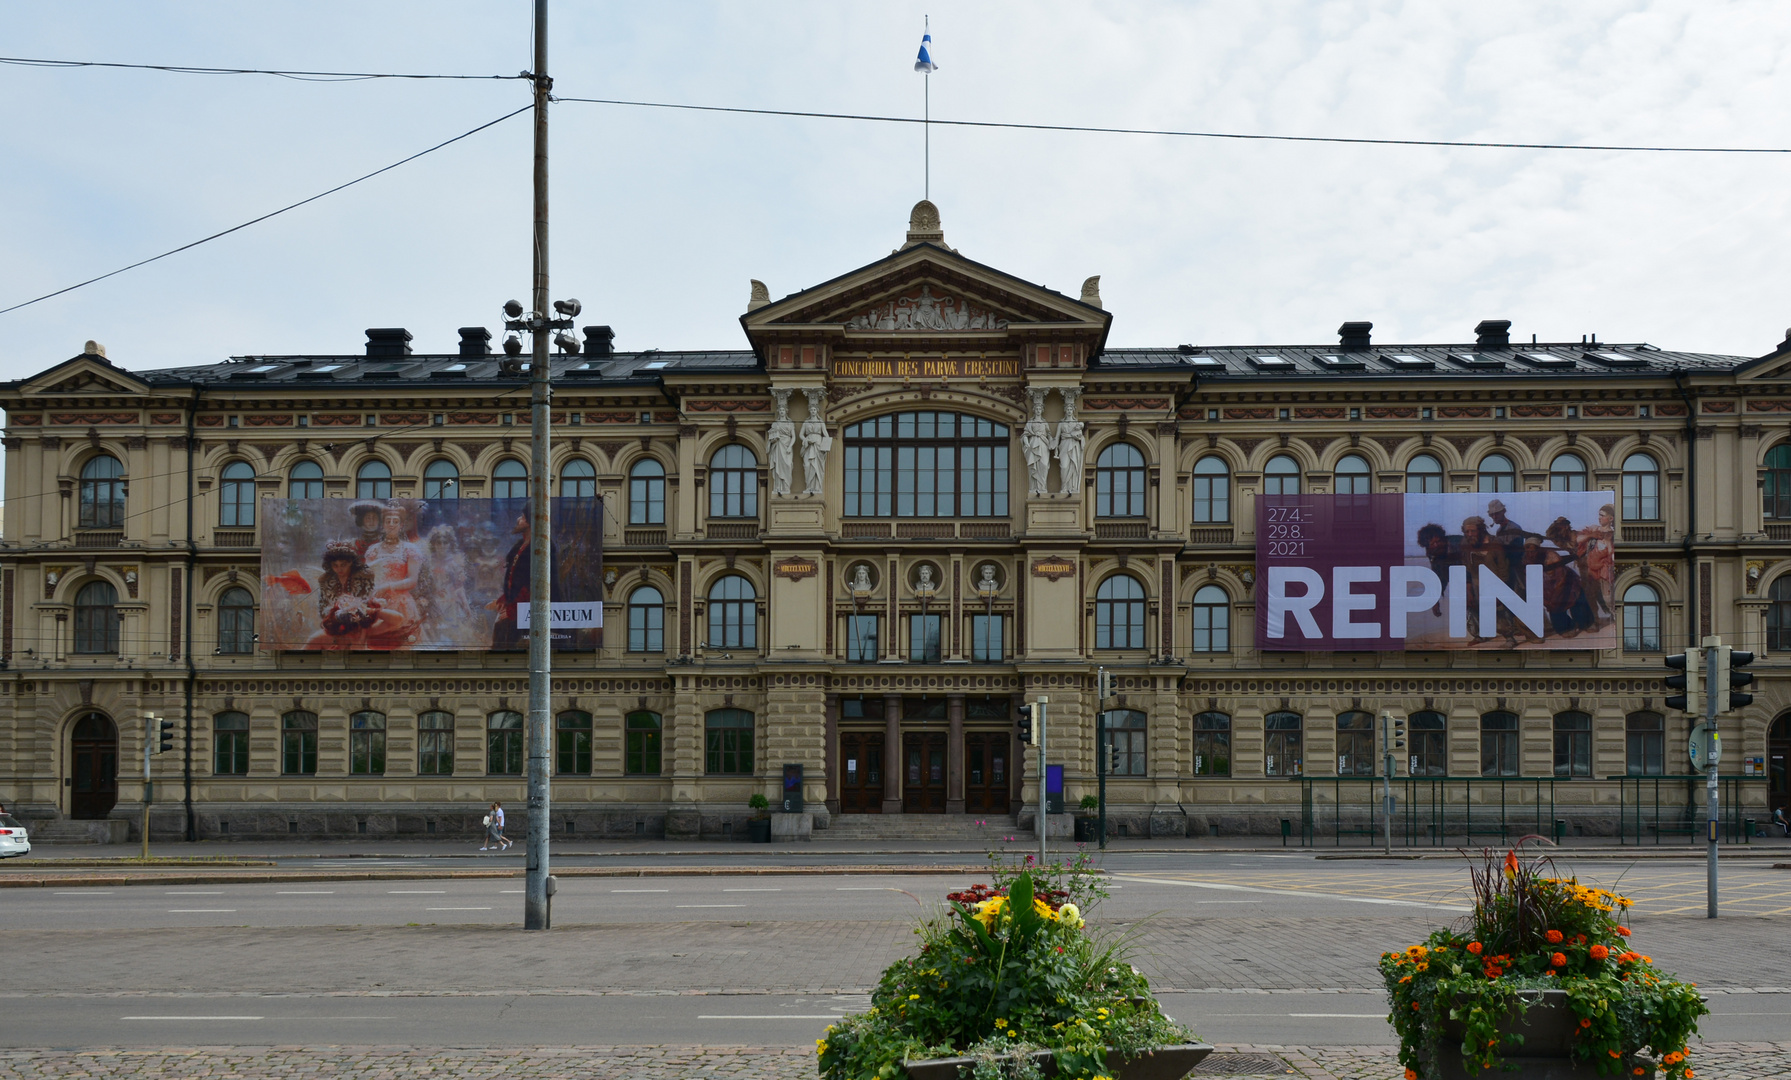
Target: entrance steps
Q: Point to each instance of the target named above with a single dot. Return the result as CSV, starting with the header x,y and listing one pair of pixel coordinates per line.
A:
x,y
953,829
70,831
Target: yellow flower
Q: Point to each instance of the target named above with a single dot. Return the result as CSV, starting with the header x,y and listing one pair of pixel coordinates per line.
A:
x,y
820,1046
913,997
1000,1023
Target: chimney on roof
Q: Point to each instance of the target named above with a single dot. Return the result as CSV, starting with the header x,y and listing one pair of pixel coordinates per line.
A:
x,y
1353,336
387,342
1493,334
475,341
599,341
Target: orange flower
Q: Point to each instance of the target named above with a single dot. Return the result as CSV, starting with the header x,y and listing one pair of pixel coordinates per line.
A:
x,y
1411,1074
1558,960
1586,1021
1475,947
1623,931
1638,1070
1554,937
1647,959
1615,1053
1511,864
1598,952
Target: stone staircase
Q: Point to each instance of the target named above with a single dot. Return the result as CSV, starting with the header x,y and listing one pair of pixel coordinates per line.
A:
x,y
70,831
953,830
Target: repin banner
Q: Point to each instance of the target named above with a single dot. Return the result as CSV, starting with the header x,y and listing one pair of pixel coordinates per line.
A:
x,y
386,574
1515,570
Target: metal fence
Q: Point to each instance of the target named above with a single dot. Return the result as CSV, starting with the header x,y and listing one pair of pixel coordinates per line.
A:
x,y
1676,806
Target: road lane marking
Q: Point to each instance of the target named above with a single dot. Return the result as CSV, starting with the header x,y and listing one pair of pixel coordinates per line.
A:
x,y
639,890
864,888
457,909
307,892
1303,892
769,1016
415,892
201,911
506,892
1342,1016
752,890
192,1018
711,905
1228,901
218,892
84,892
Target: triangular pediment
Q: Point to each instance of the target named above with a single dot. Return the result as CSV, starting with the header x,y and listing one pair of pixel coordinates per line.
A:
x,y
85,374
1775,365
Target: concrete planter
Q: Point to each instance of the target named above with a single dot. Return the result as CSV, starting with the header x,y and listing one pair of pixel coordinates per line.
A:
x,y
1163,1063
1547,1026
758,830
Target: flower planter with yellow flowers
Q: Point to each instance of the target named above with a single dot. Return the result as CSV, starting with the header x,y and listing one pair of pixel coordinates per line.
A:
x,y
1539,978
1009,984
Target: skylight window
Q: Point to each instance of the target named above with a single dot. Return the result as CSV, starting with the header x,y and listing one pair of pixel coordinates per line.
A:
x,y
259,368
1333,360
1477,360
326,367
455,367
651,364
1407,360
1544,360
1615,359
1204,361
1271,361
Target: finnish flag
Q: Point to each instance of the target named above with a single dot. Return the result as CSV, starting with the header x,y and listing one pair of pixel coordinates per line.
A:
x,y
924,62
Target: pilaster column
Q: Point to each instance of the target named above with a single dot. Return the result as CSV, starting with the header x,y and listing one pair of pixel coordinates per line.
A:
x,y
954,754
893,762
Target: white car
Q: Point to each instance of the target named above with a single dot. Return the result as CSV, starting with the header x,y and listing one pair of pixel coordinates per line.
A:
x,y
14,838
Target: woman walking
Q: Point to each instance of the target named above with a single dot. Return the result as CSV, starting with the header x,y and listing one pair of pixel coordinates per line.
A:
x,y
494,829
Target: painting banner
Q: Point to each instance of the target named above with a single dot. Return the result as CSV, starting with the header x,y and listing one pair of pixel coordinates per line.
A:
x,y
1456,570
423,574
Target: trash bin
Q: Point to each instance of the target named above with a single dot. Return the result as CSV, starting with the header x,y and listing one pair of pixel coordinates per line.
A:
x,y
1560,830
1286,830
1087,829
758,831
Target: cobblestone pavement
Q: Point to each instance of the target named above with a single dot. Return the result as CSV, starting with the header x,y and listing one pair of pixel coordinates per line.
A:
x,y
1176,952
1713,1061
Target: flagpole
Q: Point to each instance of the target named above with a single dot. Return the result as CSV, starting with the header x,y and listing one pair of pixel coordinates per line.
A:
x,y
926,124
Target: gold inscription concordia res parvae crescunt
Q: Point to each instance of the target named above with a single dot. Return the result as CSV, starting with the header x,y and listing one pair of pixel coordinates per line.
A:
x,y
956,367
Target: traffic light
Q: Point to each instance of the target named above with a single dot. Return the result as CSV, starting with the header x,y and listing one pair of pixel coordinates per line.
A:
x,y
1725,675
1112,759
167,741
1025,723
1686,682
1103,685
1399,733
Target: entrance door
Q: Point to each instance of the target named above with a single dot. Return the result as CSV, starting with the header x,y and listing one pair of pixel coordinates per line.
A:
x,y
923,782
861,772
1778,758
985,773
93,760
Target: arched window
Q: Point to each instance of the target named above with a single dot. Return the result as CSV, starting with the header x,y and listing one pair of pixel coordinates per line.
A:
x,y
578,480
1641,619
230,744
435,743
1778,615
1352,476
510,480
1427,738
236,496
1567,473
373,481
1212,744
1119,482
236,622
1645,743
1212,491
96,619
367,744
1497,473
734,482
1282,754
927,464
298,743
572,743
646,493
1212,620
645,740
646,620
1125,733
1573,744
441,480
1119,613
733,614
503,743
306,481
1775,492
1355,743
102,493
1281,477
1499,744
1641,488
727,742
1424,476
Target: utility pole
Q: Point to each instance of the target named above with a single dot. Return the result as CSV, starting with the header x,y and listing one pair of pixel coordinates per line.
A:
x,y
1716,667
1389,742
535,902
149,734
1044,781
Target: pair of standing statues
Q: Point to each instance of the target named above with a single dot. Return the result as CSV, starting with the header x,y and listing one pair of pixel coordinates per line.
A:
x,y
1038,442
780,445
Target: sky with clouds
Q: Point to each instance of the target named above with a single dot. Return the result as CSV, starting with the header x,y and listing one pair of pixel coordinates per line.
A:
x,y
661,218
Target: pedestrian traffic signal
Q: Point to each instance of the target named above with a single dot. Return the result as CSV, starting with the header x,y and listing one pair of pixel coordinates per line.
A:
x,y
1112,759
1725,675
167,740
1103,685
1026,723
1686,682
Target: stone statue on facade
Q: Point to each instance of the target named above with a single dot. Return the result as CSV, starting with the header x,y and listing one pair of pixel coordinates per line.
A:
x,y
780,444
816,444
861,581
924,588
986,585
1070,441
1037,443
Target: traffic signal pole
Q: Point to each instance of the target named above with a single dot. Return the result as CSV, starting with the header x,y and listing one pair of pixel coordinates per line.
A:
x,y
149,737
1716,685
1387,781
1044,799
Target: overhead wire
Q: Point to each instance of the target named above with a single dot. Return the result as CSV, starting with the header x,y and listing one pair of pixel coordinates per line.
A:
x,y
302,76
1186,134
270,214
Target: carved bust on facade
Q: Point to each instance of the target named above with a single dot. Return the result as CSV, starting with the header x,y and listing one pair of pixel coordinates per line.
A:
x,y
861,581
986,585
924,588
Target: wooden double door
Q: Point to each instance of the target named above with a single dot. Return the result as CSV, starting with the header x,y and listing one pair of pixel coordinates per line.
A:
x,y
923,773
987,758
93,768
861,772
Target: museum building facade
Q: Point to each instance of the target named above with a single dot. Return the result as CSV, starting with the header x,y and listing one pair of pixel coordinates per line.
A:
x,y
927,493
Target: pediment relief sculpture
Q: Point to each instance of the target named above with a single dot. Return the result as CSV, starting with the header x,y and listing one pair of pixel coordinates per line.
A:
x,y
922,310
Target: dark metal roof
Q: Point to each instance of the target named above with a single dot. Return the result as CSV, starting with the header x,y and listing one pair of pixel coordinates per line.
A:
x,y
443,370
1423,361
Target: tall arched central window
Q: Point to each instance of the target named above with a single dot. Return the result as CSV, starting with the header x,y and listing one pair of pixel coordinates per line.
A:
x,y
646,620
510,480
646,493
96,619
578,480
1641,488
236,496
926,464
306,481
1641,619
1355,743
1352,476
1212,620
734,482
733,614
1775,491
1424,476
1778,615
1497,473
102,493
1212,491
1281,476
1119,613
236,622
1119,482
441,480
373,481
1567,473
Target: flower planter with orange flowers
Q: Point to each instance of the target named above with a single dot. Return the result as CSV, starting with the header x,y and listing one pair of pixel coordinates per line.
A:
x,y
1541,977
